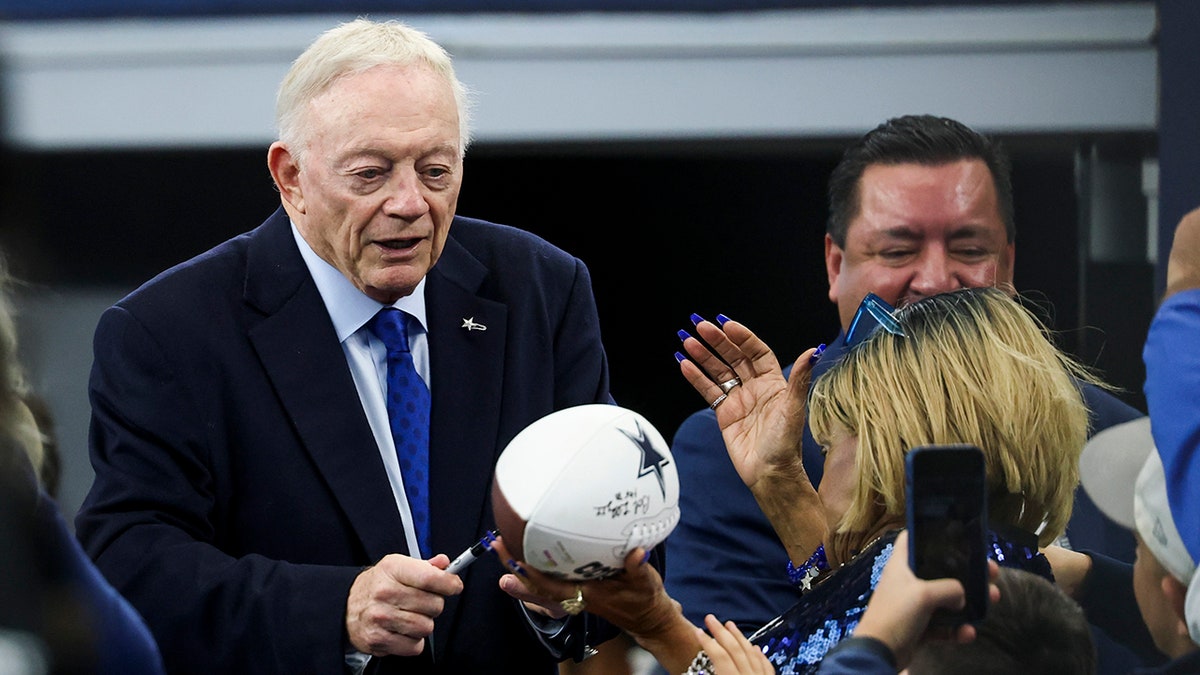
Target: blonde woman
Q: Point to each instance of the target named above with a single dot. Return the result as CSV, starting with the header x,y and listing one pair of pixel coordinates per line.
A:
x,y
17,423
972,366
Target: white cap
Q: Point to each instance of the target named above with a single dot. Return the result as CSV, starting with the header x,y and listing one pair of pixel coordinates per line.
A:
x,y
1123,474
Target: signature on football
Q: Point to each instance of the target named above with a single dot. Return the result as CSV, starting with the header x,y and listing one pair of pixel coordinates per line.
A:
x,y
623,504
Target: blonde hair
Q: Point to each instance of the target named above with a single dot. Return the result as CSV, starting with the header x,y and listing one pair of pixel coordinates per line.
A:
x,y
974,366
17,423
352,48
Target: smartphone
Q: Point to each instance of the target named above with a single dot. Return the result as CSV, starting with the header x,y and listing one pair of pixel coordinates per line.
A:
x,y
947,521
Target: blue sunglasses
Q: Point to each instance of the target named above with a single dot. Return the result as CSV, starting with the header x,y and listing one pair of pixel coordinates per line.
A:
x,y
873,313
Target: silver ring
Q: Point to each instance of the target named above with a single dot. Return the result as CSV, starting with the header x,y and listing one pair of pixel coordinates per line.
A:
x,y
728,385
719,400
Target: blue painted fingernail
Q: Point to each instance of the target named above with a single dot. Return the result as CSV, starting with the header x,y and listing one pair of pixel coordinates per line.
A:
x,y
817,354
696,318
683,335
721,319
680,358
646,558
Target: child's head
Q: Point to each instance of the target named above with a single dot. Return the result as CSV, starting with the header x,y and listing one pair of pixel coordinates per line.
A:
x,y
1124,475
1034,628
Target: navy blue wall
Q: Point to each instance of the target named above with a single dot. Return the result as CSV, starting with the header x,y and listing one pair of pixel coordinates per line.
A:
x,y
1179,121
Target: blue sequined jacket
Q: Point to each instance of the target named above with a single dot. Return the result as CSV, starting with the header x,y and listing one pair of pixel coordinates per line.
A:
x,y
797,640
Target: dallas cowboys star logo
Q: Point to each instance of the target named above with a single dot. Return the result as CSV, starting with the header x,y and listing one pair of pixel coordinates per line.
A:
x,y
653,461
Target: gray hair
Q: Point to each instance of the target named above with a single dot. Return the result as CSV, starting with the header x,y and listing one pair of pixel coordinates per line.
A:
x,y
352,48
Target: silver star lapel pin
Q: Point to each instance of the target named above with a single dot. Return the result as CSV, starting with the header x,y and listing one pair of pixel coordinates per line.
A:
x,y
469,324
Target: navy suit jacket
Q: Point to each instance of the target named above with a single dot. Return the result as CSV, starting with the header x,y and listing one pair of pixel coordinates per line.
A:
x,y
725,558
238,488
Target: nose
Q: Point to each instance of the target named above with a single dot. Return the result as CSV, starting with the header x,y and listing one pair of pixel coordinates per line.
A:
x,y
406,196
934,273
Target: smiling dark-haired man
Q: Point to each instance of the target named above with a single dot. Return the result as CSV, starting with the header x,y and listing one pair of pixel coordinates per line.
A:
x,y
919,205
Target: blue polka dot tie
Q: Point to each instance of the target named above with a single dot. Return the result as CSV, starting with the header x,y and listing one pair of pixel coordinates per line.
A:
x,y
408,414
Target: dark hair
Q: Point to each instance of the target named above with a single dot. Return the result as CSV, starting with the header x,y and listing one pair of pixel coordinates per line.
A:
x,y
1034,629
915,139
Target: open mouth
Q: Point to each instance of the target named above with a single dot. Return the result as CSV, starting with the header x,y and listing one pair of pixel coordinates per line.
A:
x,y
400,244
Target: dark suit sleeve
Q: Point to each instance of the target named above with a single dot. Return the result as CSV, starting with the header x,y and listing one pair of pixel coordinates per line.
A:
x,y
154,507
723,557
1089,528
1107,599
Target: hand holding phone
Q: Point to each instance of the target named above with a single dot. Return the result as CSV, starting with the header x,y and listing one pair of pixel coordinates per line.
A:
x,y
947,523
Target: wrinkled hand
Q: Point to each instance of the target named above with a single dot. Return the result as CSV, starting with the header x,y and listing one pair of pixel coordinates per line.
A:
x,y
762,420
392,604
730,652
634,600
899,610
529,594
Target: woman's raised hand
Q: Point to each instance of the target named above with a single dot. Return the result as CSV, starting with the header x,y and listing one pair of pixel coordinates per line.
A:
x,y
761,414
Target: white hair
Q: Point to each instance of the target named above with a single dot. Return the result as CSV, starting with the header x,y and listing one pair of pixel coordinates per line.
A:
x,y
352,48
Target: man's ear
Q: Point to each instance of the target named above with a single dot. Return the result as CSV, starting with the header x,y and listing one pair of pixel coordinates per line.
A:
x,y
285,170
1175,594
833,266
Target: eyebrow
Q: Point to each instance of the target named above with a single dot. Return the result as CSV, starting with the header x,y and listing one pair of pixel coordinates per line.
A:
x,y
969,231
912,233
902,232
355,152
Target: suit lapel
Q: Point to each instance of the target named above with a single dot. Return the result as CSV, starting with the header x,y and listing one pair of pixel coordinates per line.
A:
x,y
302,357
466,348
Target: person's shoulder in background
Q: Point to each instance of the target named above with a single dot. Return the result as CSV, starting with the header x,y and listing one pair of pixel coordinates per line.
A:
x,y
76,619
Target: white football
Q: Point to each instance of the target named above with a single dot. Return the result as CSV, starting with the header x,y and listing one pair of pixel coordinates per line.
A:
x,y
580,488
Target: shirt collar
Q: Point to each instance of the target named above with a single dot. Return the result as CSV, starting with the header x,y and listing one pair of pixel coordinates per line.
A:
x,y
348,307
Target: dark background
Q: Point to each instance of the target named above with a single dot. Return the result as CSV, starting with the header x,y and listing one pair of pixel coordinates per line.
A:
x,y
666,230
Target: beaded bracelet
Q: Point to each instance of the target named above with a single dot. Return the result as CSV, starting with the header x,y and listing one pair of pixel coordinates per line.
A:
x,y
701,665
803,576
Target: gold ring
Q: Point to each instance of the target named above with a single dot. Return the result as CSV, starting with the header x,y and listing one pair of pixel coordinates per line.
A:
x,y
720,399
576,604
